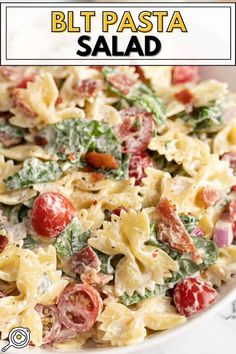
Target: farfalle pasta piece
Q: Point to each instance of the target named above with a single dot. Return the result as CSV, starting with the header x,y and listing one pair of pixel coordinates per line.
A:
x,y
159,76
208,91
152,186
37,280
40,96
224,268
142,267
7,168
174,144
225,140
22,152
122,326
183,191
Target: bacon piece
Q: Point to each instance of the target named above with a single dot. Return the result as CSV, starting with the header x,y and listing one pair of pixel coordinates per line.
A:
x,y
98,160
184,74
88,88
97,177
84,260
12,73
58,100
121,82
184,96
7,140
172,231
208,196
95,279
40,140
3,243
19,101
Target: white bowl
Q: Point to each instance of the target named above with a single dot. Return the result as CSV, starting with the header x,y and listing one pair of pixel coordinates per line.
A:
x,y
226,293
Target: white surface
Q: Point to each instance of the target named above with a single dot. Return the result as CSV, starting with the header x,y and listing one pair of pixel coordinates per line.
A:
x,y
214,335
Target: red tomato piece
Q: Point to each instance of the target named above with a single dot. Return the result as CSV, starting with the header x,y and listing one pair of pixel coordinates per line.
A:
x,y
184,96
117,211
88,88
136,130
99,160
121,82
50,322
172,231
193,295
137,165
208,196
231,158
85,260
3,243
51,212
79,307
184,74
23,84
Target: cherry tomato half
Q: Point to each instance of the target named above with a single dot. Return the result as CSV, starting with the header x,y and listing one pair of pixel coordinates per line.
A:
x,y
193,295
50,321
51,212
137,165
79,307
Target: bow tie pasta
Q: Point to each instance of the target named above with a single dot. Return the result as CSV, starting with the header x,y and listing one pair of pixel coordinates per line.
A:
x,y
117,196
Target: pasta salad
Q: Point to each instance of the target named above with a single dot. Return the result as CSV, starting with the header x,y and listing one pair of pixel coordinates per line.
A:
x,y
117,200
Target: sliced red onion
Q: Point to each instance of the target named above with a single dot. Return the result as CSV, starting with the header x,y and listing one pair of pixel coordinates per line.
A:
x,y
198,232
229,114
223,232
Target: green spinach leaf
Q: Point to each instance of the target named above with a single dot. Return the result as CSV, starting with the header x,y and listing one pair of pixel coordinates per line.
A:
x,y
189,221
77,137
208,250
205,119
72,239
140,96
34,171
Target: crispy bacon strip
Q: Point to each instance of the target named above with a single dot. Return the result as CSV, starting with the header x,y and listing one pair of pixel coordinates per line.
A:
x,y
88,88
98,160
172,231
184,96
3,243
19,101
121,82
85,260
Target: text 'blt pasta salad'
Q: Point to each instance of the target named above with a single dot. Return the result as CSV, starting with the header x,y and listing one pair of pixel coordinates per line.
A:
x,y
117,200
